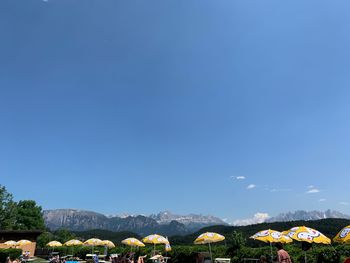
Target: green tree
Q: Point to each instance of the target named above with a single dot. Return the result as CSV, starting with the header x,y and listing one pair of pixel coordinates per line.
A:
x,y
7,210
63,235
44,238
29,216
235,242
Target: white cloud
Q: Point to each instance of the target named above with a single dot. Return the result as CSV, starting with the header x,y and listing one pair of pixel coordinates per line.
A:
x,y
344,203
256,219
240,177
322,200
251,186
313,191
311,186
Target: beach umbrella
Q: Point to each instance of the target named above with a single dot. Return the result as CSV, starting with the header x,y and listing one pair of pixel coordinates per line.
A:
x,y
93,242
167,247
307,235
72,243
108,243
10,243
54,244
155,239
133,242
23,242
343,236
208,238
271,236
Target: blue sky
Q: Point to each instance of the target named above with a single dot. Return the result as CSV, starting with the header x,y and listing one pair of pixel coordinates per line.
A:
x,y
140,106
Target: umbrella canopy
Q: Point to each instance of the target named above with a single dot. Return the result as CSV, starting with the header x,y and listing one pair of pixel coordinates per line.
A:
x,y
155,239
271,236
23,242
208,237
307,234
133,242
343,236
108,243
11,243
54,244
73,242
167,247
93,242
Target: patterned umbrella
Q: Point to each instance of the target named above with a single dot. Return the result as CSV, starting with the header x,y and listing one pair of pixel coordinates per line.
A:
x,y
10,243
23,242
343,236
108,243
54,244
73,242
133,242
208,238
307,234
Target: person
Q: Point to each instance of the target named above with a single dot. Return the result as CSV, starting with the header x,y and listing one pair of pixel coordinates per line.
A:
x,y
282,255
263,259
141,259
347,260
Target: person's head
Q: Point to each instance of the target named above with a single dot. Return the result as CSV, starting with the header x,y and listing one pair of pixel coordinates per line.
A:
x,y
263,259
279,246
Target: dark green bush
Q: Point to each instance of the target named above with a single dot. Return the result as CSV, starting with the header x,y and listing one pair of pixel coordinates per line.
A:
x,y
10,252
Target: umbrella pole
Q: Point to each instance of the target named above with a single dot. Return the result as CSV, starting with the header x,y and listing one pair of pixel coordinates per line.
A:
x,y
211,256
305,257
271,252
154,249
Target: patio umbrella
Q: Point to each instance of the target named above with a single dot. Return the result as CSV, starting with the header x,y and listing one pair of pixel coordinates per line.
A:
x,y
72,243
133,242
343,236
23,242
271,236
208,238
54,244
155,239
108,243
10,243
93,242
308,235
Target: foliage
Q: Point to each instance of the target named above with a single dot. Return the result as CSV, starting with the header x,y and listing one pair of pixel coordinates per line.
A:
x,y
7,210
11,252
24,215
29,216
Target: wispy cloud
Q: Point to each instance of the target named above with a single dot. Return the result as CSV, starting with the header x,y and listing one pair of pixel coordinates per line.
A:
x,y
344,203
312,190
251,186
274,190
240,177
256,219
322,200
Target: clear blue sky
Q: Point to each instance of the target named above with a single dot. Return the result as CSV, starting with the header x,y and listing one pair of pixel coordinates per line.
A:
x,y
141,106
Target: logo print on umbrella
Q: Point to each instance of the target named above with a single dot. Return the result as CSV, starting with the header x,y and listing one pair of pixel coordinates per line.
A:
x,y
344,232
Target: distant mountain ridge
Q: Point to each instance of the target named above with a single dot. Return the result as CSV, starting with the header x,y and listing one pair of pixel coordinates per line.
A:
x,y
307,216
164,223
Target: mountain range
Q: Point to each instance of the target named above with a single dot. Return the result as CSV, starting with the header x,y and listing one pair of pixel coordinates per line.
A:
x,y
165,223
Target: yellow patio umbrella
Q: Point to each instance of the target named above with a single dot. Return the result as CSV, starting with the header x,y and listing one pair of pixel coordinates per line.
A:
x,y
23,242
343,236
271,236
308,235
167,247
93,242
155,239
10,243
54,244
133,242
72,243
208,238
108,243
